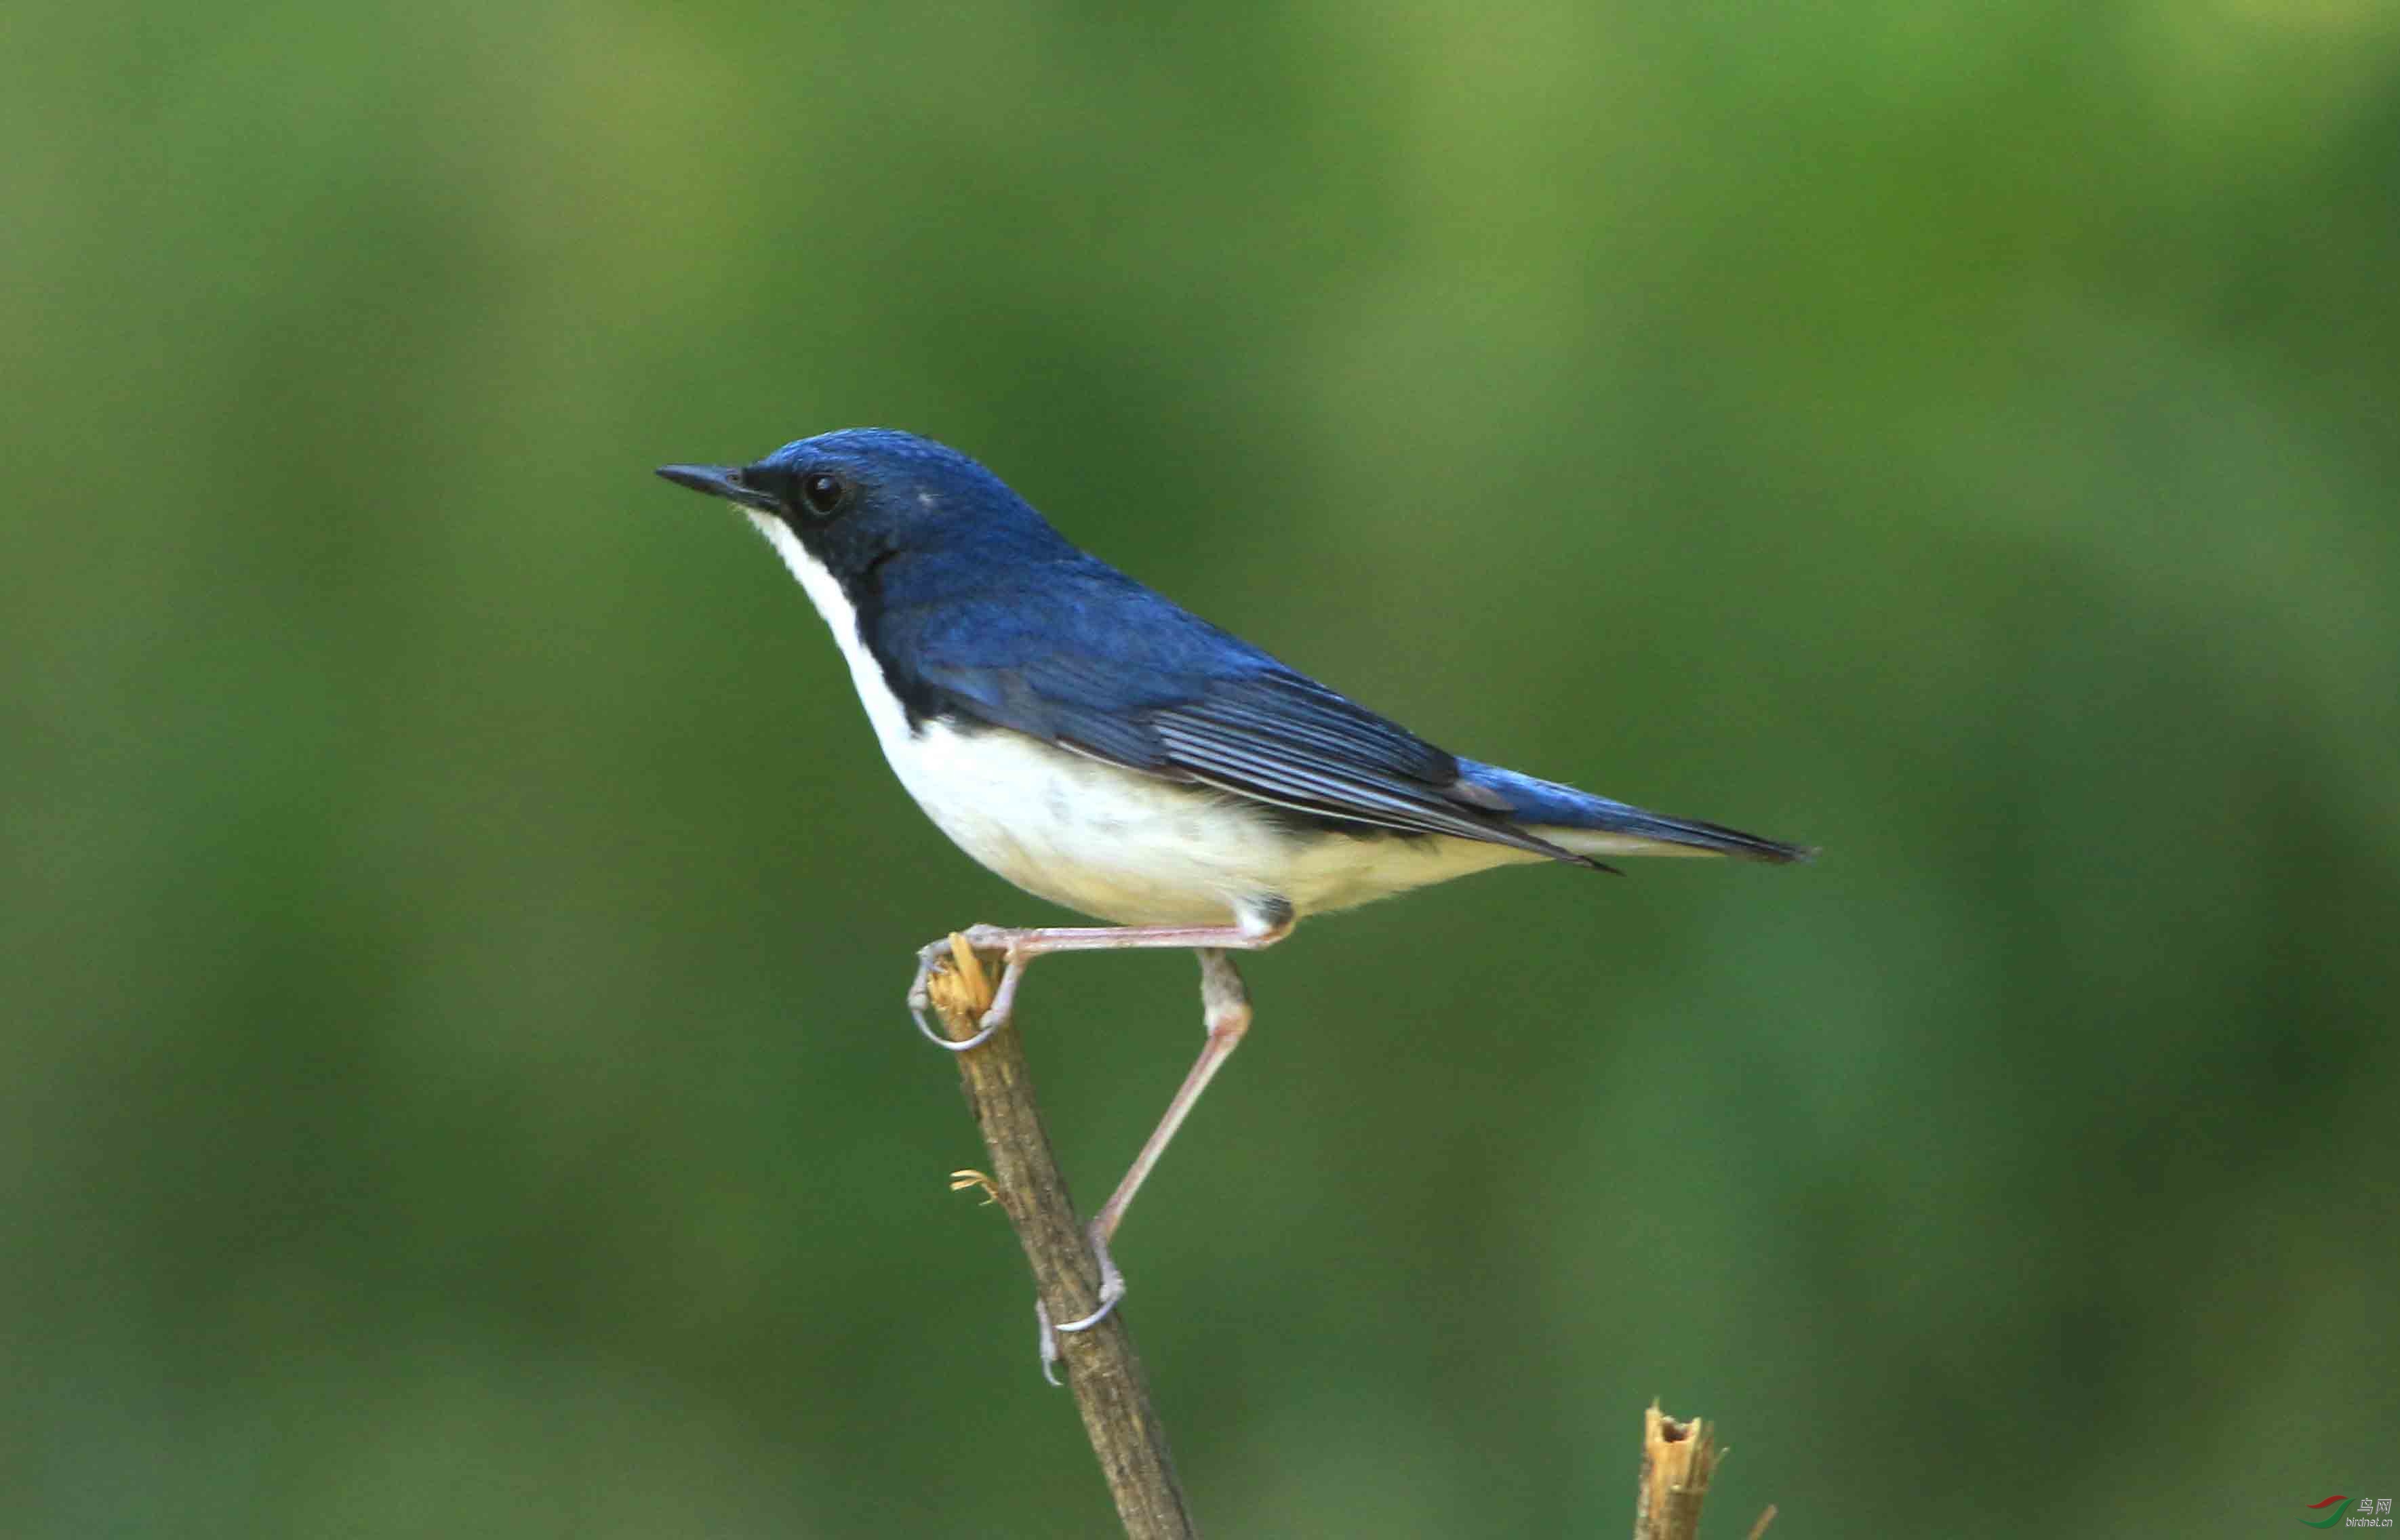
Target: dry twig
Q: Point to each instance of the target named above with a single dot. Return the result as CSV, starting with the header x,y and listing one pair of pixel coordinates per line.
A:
x,y
1101,1366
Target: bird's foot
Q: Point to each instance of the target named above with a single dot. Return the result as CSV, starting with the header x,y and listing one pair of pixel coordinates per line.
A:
x,y
980,938
1112,1288
1112,1284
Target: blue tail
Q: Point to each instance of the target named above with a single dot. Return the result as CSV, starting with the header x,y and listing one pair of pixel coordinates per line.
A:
x,y
1549,805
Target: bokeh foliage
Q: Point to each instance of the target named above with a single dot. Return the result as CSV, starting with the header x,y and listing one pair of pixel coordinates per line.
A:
x,y
452,915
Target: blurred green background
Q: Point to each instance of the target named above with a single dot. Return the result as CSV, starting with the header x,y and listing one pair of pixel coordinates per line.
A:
x,y
455,915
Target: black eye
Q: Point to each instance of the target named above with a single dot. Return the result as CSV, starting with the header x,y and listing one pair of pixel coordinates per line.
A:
x,y
822,491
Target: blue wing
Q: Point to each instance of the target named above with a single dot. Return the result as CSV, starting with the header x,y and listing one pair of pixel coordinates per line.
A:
x,y
1075,653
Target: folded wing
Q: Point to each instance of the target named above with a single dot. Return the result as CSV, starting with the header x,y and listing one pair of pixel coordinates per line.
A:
x,y
1107,668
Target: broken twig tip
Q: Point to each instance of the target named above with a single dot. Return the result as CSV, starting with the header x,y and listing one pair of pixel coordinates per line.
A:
x,y
970,970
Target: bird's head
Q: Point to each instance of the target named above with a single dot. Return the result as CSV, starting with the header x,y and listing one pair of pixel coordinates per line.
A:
x,y
847,501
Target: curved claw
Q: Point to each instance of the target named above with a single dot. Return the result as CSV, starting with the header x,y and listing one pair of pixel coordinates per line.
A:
x,y
1112,1288
1108,1308
1112,1285
1049,1344
961,1045
920,997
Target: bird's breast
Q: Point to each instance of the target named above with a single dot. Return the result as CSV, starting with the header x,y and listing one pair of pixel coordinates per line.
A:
x,y
1088,834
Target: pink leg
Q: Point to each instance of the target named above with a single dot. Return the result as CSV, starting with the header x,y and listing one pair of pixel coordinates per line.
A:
x,y
1226,1007
1020,948
1226,1011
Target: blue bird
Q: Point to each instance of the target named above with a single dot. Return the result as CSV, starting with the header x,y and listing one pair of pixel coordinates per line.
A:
x,y
1103,748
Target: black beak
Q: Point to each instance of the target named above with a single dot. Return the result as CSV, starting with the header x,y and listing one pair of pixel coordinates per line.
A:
x,y
721,481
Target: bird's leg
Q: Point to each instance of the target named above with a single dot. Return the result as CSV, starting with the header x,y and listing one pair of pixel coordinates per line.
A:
x,y
1020,948
1226,1006
1226,1011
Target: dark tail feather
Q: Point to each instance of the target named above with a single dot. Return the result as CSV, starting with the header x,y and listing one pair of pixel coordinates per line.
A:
x,y
1698,836
1546,804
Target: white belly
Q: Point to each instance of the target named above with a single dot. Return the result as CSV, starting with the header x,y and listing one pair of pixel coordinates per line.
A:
x,y
1140,850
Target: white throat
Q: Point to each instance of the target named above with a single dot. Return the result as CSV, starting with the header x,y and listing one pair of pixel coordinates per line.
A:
x,y
882,707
